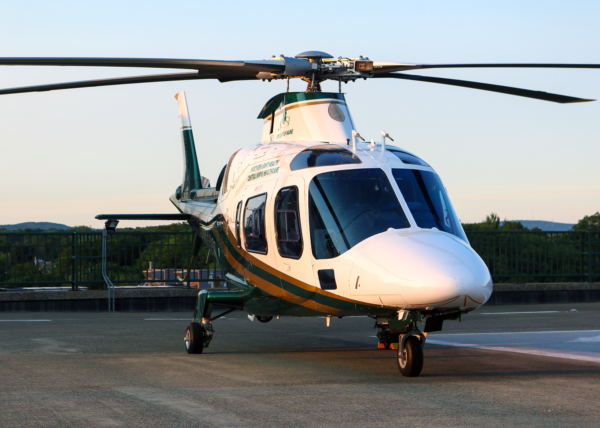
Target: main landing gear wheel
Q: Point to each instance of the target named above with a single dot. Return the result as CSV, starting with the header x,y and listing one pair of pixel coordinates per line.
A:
x,y
195,335
263,318
410,361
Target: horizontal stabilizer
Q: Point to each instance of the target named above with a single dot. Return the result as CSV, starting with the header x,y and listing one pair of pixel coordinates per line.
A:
x,y
180,217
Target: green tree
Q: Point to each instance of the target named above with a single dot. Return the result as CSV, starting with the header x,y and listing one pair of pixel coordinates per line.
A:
x,y
588,223
492,223
512,225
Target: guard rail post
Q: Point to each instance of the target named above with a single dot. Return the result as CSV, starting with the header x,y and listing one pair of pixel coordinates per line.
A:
x,y
109,284
590,258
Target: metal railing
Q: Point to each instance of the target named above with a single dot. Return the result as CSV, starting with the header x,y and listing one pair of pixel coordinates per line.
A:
x,y
72,259
539,256
157,258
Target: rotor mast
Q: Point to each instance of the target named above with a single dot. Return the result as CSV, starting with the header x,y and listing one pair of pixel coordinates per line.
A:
x,y
315,58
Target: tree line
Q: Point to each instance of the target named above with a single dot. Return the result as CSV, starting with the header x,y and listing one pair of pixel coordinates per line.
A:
x,y
33,257
492,222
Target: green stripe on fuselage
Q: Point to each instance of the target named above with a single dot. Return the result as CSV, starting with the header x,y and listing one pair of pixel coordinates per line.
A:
x,y
331,301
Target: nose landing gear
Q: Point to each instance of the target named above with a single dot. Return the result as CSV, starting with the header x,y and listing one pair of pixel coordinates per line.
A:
x,y
410,357
401,333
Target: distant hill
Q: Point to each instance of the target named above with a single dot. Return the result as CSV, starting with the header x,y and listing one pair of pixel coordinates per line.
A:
x,y
35,225
546,226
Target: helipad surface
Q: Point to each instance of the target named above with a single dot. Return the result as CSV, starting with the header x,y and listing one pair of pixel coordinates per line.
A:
x,y
130,369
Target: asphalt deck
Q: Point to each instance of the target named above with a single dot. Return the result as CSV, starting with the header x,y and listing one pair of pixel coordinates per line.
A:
x,y
131,370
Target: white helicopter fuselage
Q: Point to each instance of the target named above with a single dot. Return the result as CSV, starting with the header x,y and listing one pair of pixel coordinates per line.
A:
x,y
330,250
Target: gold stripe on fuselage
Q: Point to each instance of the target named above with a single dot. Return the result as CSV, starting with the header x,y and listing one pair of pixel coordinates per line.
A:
x,y
309,303
275,290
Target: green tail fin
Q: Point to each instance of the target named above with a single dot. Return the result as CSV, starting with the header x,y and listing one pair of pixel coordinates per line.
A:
x,y
191,171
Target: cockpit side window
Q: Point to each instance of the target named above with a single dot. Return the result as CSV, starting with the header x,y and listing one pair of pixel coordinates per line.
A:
x,y
254,224
346,207
287,223
325,155
238,213
428,201
407,157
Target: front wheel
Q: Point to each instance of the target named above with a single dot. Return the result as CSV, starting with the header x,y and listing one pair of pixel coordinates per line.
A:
x,y
263,318
194,338
410,361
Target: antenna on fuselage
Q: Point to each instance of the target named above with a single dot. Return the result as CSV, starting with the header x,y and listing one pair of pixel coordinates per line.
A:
x,y
385,135
354,135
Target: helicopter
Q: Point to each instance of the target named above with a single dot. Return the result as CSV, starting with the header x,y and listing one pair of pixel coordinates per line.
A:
x,y
314,221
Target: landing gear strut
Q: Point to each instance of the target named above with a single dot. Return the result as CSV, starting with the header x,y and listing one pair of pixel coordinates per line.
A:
x,y
199,335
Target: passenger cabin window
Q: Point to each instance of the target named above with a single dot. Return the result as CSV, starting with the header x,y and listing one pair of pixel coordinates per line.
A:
x,y
238,212
287,218
326,155
254,224
347,207
407,157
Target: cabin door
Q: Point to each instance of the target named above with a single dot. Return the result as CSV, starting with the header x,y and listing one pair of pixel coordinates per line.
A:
x,y
256,240
291,239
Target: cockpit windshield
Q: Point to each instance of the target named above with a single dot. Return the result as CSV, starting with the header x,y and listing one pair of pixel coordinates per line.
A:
x,y
347,207
427,200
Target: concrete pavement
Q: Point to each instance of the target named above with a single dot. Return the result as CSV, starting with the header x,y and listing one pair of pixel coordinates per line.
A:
x,y
131,369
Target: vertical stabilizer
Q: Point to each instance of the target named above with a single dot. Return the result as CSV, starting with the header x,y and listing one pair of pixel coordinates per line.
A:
x,y
191,172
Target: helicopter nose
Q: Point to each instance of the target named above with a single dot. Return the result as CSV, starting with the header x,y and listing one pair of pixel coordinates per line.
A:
x,y
421,270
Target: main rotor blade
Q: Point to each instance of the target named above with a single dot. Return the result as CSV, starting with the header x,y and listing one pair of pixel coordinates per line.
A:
x,y
388,67
248,68
515,65
539,95
105,82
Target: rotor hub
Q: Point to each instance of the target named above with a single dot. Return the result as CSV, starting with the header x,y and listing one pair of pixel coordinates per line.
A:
x,y
314,55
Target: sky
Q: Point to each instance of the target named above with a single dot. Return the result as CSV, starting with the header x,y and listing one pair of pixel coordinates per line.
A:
x,y
66,156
